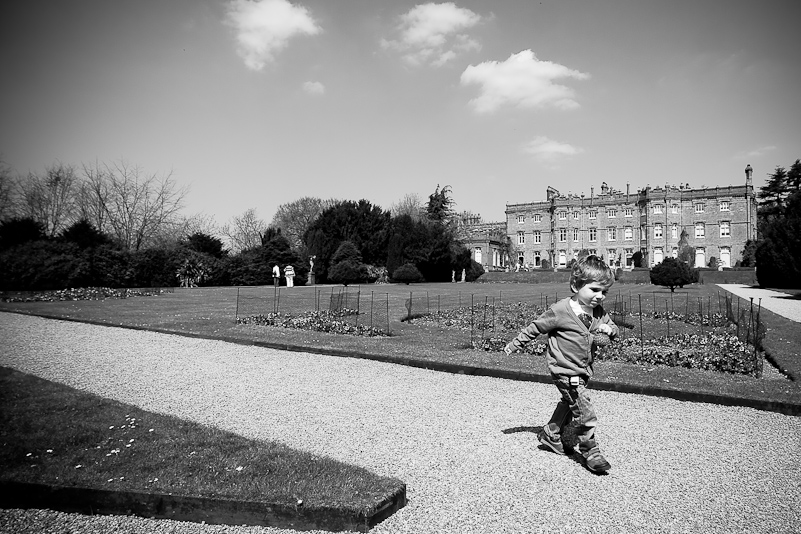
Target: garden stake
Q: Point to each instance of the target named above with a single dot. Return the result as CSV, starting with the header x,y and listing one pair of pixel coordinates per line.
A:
x,y
484,320
671,301
760,362
750,321
358,307
278,302
438,303
388,313
410,306
687,307
236,313
642,349
667,316
428,304
493,313
472,310
372,297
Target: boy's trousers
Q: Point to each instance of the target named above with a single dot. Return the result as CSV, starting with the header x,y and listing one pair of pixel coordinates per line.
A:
x,y
575,405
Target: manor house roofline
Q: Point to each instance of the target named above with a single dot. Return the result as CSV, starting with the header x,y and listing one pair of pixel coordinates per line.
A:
x,y
647,194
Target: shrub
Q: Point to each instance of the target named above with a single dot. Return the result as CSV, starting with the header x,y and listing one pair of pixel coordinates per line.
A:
x,y
347,272
474,271
672,273
407,273
546,264
637,259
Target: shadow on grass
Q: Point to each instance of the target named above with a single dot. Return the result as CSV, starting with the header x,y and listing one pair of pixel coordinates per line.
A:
x,y
57,436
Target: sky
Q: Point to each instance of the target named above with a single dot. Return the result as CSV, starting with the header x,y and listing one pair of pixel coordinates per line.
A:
x,y
255,104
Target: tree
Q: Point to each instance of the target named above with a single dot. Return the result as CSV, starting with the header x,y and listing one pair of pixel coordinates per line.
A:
x,y
294,218
50,198
20,230
637,259
411,204
671,273
749,254
205,244
83,234
359,222
245,231
132,206
440,204
686,253
7,185
346,265
778,255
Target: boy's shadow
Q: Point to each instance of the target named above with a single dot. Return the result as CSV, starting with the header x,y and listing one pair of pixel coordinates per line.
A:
x,y
569,441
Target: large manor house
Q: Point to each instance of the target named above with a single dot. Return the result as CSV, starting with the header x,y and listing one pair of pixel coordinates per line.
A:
x,y
613,224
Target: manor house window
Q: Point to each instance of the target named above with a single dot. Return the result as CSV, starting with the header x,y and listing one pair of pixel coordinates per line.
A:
x,y
674,231
628,212
563,234
593,214
562,215
674,209
628,233
657,209
575,234
699,230
612,233
611,213
593,234
521,219
537,217
725,229
576,215
699,207
657,231
521,238
537,237
724,205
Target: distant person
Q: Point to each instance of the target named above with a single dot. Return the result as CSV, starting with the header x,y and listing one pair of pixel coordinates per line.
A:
x,y
289,273
276,275
573,325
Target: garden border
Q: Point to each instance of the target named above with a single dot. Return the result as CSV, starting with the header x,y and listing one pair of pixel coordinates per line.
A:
x,y
197,509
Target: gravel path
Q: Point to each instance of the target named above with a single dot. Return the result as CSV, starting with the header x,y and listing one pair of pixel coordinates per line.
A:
x,y
775,301
677,466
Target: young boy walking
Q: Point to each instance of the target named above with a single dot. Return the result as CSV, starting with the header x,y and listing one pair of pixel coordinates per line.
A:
x,y
576,326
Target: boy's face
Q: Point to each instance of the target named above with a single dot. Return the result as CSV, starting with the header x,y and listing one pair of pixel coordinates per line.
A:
x,y
591,294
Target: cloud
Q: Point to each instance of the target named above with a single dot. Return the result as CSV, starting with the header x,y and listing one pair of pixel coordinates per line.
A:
x,y
430,34
264,27
314,88
548,152
761,151
523,81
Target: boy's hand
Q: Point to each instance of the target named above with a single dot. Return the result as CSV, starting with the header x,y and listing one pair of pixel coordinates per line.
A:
x,y
605,328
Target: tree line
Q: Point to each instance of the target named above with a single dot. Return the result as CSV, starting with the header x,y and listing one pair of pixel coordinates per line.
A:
x,y
116,225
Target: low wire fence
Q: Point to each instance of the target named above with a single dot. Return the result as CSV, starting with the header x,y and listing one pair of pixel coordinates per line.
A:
x,y
488,320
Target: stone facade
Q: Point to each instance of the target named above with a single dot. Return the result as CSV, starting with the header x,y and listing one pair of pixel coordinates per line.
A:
x,y
614,225
486,243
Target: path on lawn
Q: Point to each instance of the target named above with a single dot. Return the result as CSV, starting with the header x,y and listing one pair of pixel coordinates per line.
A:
x,y
775,301
464,445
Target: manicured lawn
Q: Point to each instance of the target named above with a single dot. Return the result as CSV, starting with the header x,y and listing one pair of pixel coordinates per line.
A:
x,y
56,435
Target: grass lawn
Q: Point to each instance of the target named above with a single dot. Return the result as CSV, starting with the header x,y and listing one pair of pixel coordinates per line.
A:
x,y
53,434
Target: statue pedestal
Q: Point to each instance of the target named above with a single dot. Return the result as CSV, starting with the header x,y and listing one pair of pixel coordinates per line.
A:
x,y
310,282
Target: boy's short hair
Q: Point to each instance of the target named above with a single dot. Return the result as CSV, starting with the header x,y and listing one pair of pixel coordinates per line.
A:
x,y
588,270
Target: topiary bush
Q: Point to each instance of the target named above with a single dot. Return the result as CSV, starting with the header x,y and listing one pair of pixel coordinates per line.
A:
x,y
346,265
672,273
407,273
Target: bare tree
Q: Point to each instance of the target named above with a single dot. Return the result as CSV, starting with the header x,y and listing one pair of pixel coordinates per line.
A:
x,y
7,185
294,218
411,204
134,207
244,232
49,198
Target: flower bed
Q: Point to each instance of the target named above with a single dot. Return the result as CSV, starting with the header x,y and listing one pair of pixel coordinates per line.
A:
x,y
82,293
318,321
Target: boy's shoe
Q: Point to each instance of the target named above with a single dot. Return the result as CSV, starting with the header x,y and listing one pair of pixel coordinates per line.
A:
x,y
596,462
554,444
